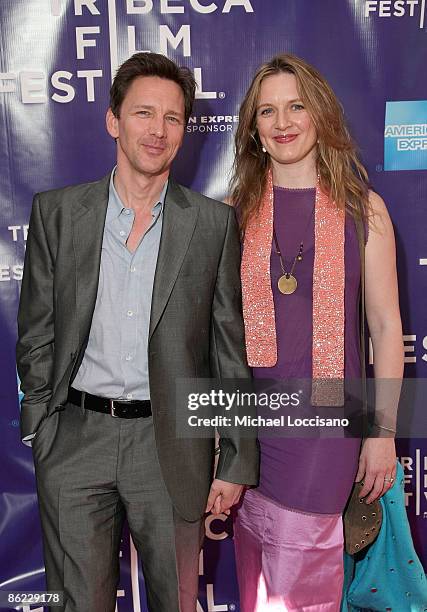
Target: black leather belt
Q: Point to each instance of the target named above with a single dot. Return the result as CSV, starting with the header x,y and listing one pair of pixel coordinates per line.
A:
x,y
124,409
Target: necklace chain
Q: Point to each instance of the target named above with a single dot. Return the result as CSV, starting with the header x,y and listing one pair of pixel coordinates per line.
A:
x,y
299,255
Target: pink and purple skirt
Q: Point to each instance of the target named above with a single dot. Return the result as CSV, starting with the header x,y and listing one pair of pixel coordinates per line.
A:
x,y
287,560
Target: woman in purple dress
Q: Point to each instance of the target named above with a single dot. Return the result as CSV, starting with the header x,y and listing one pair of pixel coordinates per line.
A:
x,y
302,196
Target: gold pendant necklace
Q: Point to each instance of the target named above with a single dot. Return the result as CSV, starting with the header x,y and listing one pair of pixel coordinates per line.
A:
x,y
287,283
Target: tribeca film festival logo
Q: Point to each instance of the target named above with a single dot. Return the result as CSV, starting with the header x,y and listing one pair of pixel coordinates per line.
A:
x,y
35,86
20,394
213,603
415,470
405,135
10,269
415,9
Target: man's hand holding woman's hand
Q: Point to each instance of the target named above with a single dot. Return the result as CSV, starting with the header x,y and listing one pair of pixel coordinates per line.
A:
x,y
222,496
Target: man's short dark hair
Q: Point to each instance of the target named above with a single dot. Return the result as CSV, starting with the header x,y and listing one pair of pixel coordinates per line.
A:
x,y
151,64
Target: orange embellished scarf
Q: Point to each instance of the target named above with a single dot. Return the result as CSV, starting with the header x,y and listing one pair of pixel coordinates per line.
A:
x,y
328,295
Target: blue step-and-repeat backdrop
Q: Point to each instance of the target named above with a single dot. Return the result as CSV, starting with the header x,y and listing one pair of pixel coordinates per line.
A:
x,y
56,64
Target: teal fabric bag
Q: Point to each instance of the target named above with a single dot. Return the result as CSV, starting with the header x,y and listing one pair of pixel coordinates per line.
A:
x,y
387,576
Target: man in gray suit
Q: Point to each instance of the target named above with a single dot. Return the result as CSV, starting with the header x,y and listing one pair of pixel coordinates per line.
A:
x,y
130,283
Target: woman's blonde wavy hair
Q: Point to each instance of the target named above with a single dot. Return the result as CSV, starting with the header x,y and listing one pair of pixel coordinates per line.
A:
x,y
342,175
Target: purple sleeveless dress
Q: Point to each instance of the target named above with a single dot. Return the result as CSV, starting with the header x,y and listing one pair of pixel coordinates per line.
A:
x,y
288,532
313,475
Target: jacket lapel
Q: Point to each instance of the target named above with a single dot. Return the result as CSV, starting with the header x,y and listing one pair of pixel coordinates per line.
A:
x,y
88,219
179,220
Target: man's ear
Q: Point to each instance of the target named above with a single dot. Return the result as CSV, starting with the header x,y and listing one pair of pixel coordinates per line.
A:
x,y
112,124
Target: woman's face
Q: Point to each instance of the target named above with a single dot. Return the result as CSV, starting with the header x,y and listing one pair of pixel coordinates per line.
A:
x,y
285,128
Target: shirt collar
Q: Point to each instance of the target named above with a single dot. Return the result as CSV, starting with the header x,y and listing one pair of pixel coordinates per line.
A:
x,y
115,205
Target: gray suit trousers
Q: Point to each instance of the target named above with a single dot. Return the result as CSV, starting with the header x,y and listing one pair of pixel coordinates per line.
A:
x,y
92,471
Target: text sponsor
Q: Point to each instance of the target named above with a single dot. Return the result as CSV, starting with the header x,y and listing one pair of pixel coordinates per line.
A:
x,y
212,123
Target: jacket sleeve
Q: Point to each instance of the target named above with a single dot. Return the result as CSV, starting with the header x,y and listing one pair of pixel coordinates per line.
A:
x,y
239,456
35,345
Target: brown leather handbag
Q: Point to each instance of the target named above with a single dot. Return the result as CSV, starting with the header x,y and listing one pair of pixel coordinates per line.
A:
x,y
362,521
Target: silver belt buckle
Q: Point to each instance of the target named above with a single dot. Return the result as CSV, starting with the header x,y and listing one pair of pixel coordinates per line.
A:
x,y
112,409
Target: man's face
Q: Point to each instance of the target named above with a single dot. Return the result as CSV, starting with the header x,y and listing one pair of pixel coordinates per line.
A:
x,y
151,125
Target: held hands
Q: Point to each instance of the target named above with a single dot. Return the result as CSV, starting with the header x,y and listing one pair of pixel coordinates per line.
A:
x,y
222,496
377,466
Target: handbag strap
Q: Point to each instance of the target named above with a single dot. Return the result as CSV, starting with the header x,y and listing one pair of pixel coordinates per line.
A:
x,y
360,229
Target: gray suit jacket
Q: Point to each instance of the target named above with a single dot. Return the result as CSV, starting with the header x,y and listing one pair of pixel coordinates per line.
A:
x,y
196,327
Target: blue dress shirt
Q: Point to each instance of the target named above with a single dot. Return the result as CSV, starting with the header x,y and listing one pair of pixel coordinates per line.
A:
x,y
115,363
